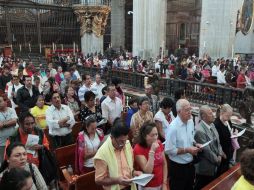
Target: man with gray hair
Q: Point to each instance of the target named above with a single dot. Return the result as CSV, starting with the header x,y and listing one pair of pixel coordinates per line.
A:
x,y
210,157
181,147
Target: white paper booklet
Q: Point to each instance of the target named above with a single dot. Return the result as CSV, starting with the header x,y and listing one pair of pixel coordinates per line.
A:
x,y
142,180
239,134
206,144
31,140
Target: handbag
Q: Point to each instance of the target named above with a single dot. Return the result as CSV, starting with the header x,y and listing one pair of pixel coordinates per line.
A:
x,y
47,166
234,141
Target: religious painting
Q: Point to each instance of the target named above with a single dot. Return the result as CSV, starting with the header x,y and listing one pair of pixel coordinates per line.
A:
x,y
246,16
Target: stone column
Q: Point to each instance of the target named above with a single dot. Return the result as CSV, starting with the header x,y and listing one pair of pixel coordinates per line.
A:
x,y
149,27
118,23
218,27
93,20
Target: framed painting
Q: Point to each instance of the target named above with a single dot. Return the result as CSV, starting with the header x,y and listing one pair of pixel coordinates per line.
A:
x,y
247,16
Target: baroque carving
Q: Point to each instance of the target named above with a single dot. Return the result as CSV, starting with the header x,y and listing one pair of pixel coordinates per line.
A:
x,y
93,19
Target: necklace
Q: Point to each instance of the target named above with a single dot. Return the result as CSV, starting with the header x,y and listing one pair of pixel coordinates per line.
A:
x,y
4,115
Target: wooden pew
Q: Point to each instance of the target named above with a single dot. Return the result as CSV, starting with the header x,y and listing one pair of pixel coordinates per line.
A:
x,y
87,181
65,156
226,180
76,129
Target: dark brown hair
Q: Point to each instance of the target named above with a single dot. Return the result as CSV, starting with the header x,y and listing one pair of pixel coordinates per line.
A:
x,y
146,128
247,166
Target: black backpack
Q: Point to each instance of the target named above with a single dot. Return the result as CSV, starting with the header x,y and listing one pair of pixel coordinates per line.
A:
x,y
47,167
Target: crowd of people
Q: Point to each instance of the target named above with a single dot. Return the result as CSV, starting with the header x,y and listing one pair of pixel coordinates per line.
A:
x,y
119,139
235,73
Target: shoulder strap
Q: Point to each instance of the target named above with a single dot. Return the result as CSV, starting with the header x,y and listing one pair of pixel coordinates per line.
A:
x,y
32,173
15,137
40,133
100,134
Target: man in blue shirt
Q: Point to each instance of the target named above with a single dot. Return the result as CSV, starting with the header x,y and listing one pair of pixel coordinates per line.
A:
x,y
181,147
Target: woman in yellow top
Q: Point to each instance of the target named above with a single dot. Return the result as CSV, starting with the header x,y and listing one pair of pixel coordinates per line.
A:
x,y
246,181
39,112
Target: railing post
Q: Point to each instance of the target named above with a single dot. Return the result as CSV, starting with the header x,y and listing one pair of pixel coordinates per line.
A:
x,y
227,96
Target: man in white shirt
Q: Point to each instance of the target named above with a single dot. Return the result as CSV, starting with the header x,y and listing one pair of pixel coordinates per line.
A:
x,y
112,106
60,121
215,69
221,80
1,59
98,86
181,147
87,82
12,90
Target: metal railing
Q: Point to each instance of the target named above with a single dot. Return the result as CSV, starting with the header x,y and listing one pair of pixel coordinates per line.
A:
x,y
201,93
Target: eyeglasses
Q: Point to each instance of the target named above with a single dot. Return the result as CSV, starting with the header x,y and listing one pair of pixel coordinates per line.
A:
x,y
121,143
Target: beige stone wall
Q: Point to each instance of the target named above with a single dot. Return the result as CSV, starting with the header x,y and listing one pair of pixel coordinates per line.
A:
x,y
118,23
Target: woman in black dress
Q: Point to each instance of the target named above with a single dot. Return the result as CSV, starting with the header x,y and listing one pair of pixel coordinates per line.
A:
x,y
90,108
225,130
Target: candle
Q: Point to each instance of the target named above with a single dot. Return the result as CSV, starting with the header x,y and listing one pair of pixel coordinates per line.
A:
x,y
232,54
62,47
29,47
53,46
162,50
19,47
74,47
40,48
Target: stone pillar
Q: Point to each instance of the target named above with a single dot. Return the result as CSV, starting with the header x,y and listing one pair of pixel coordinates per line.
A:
x,y
218,28
149,27
93,20
118,23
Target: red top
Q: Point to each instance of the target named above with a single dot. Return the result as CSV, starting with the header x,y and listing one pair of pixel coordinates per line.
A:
x,y
30,157
158,163
241,79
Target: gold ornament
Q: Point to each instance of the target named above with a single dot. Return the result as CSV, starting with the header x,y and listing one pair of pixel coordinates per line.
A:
x,y
93,19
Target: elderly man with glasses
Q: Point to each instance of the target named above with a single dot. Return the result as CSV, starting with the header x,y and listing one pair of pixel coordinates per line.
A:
x,y
114,160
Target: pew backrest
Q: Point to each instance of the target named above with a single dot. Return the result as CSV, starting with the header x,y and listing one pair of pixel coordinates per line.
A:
x,y
87,181
65,156
76,129
226,180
